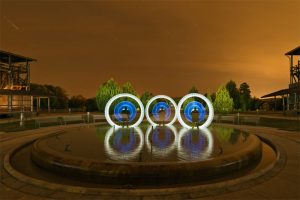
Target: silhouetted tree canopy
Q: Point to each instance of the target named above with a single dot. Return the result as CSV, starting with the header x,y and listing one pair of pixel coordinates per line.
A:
x,y
193,90
58,96
255,103
145,97
234,93
128,88
77,101
209,98
240,97
245,96
91,104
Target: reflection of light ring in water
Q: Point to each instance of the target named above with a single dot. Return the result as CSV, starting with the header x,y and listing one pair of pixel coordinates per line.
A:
x,y
161,143
194,105
108,104
124,148
192,145
114,155
160,97
206,152
165,151
121,106
208,103
161,106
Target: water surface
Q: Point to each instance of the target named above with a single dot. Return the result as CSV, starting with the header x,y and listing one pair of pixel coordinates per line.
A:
x,y
149,144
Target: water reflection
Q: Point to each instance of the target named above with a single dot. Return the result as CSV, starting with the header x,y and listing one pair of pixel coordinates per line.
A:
x,y
223,134
161,140
123,144
229,135
144,144
194,144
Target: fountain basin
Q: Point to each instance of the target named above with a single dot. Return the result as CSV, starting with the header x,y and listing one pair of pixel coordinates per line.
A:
x,y
223,160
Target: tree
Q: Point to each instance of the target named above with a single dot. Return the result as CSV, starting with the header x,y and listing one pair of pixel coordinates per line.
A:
x,y
213,96
245,96
193,90
176,99
255,103
106,91
145,97
234,93
77,102
58,96
91,104
61,98
127,88
209,98
223,103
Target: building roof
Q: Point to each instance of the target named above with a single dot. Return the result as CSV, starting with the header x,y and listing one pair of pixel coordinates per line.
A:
x,y
283,92
22,93
277,93
4,57
295,51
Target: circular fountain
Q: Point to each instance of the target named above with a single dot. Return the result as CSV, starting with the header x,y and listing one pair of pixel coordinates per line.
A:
x,y
169,156
161,153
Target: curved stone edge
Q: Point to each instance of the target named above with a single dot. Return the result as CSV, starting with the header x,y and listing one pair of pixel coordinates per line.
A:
x,y
49,159
195,191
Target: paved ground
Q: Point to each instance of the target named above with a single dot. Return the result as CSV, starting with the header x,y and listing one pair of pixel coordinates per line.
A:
x,y
284,185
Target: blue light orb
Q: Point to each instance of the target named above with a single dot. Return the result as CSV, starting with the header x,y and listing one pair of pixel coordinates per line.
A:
x,y
161,106
194,106
125,107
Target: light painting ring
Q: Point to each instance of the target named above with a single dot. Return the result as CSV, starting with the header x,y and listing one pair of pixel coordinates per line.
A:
x,y
208,103
148,106
108,104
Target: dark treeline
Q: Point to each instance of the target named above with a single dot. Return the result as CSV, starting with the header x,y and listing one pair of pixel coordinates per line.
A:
x,y
242,99
59,98
240,95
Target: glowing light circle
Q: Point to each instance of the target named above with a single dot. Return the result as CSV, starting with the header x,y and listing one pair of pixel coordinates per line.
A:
x,y
158,151
208,103
160,97
207,151
115,155
107,107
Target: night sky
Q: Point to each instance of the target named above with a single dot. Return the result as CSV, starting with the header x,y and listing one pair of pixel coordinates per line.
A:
x,y
159,46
